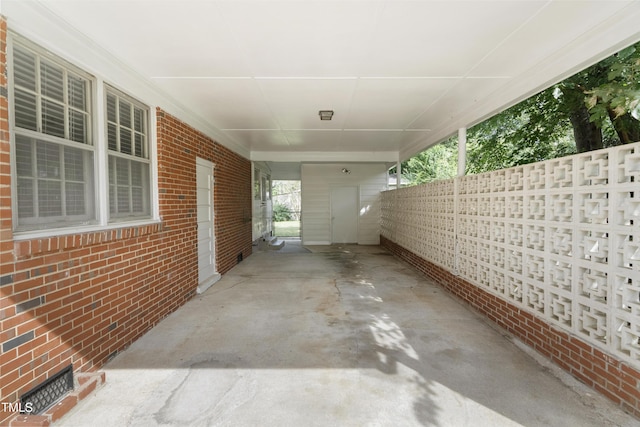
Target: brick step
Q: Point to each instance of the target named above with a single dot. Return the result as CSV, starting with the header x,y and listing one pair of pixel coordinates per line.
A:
x,y
87,383
275,243
270,243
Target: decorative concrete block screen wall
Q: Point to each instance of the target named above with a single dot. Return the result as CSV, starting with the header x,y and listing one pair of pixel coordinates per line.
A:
x,y
551,251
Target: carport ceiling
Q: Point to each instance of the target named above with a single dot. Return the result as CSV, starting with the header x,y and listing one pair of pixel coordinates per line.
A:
x,y
399,75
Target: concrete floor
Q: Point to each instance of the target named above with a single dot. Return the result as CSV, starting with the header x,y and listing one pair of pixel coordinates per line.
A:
x,y
339,336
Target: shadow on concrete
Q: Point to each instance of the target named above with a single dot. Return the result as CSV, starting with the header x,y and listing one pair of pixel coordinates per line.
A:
x,y
343,335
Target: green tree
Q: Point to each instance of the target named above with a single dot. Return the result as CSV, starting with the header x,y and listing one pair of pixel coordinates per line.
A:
x,y
595,108
602,101
528,132
281,213
287,194
617,97
438,162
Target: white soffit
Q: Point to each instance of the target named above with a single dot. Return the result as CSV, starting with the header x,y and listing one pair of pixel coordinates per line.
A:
x,y
240,105
400,75
394,103
261,139
294,103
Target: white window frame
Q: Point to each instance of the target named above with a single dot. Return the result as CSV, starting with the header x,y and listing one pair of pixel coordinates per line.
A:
x,y
145,159
98,129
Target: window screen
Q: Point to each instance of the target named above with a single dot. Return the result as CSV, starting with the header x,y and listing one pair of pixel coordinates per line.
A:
x,y
127,140
53,148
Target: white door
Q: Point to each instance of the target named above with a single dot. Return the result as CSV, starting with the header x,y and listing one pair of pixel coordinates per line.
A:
x,y
206,238
344,215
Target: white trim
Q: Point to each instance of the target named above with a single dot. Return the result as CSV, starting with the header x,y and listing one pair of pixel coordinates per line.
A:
x,y
101,162
210,167
462,151
325,156
202,287
153,158
98,147
69,231
16,41
123,97
12,136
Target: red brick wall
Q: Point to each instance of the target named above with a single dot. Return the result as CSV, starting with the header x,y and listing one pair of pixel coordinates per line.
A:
x,y
611,377
7,307
177,151
81,298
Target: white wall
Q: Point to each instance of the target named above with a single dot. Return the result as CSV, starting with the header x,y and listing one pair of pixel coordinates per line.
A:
x,y
317,180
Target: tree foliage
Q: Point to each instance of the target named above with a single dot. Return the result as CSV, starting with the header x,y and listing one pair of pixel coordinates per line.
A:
x,y
286,200
439,162
525,133
617,97
281,213
595,108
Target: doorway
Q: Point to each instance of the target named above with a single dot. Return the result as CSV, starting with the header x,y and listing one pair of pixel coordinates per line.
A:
x,y
344,215
286,208
207,274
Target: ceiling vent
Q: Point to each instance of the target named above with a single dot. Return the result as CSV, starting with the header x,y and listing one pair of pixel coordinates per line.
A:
x,y
326,114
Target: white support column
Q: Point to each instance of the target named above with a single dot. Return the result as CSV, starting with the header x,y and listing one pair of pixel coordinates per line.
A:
x,y
462,151
462,163
398,174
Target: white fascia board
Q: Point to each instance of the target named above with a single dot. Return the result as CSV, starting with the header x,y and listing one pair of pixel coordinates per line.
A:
x,y
34,21
325,156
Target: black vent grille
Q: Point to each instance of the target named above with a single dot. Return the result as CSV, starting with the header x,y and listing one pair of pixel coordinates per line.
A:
x,y
43,396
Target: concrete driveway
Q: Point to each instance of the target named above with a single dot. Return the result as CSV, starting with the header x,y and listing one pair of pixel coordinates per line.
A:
x,y
333,336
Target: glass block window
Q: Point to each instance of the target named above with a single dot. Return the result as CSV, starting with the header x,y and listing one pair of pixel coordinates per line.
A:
x,y
53,150
128,147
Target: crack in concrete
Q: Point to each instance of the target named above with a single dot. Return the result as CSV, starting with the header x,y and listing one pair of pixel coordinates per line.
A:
x,y
161,416
218,290
212,416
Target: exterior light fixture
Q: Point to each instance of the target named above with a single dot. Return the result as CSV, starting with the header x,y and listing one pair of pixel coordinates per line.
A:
x,y
346,171
325,114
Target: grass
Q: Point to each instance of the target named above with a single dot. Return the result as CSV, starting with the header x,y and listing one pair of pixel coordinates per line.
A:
x,y
286,228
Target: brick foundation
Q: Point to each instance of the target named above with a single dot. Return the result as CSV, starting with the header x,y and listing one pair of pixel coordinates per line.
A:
x,y
609,376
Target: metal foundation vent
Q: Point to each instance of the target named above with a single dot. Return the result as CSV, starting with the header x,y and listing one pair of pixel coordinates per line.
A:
x,y
43,396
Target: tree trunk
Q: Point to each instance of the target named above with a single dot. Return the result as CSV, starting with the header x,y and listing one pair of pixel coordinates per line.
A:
x,y
627,128
587,135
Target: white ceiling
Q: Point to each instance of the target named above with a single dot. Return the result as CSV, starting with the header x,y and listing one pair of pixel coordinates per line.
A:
x,y
400,75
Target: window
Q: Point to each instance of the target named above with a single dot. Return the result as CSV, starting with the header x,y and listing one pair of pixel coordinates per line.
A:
x,y
257,189
55,146
127,140
266,188
54,150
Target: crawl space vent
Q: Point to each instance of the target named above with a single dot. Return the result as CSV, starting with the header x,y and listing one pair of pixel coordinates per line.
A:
x,y
44,395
